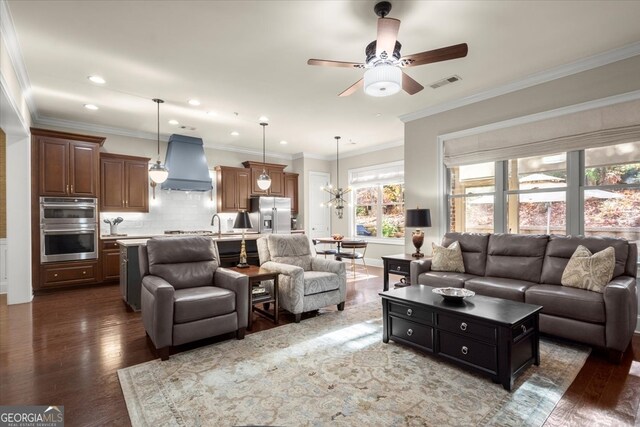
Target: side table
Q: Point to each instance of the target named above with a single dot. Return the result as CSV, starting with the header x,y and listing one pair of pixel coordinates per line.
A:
x,y
256,275
396,264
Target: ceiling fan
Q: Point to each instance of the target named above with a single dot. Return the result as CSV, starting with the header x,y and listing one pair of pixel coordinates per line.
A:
x,y
384,75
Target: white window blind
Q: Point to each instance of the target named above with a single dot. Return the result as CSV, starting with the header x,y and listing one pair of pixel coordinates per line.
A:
x,y
379,174
613,124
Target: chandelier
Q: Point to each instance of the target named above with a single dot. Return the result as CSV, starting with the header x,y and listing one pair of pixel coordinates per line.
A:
x,y
337,193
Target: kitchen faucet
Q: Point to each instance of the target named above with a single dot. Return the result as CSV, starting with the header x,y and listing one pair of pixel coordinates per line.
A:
x,y
213,218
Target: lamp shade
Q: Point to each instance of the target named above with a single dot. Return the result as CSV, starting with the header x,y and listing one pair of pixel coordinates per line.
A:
x,y
242,221
158,173
383,80
418,218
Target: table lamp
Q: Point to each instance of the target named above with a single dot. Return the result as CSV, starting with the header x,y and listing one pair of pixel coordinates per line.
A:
x,y
418,218
243,222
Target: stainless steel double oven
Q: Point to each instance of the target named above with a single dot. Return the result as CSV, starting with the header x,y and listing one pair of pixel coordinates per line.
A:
x,y
68,229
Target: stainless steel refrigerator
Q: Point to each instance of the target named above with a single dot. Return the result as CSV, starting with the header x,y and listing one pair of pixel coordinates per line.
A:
x,y
271,214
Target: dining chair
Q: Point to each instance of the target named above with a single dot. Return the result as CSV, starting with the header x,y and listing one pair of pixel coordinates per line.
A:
x,y
325,251
349,250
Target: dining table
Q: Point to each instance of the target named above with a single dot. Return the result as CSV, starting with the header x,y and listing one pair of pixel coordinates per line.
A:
x,y
337,242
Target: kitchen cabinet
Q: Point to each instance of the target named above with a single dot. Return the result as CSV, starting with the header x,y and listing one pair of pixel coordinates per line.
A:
x,y
124,183
68,163
275,172
110,260
130,280
232,188
291,190
70,273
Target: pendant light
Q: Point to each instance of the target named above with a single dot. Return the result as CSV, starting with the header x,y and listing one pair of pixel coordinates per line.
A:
x,y
158,172
337,193
264,181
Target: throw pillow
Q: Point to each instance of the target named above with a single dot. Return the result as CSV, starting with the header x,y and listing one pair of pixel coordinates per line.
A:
x,y
589,271
447,259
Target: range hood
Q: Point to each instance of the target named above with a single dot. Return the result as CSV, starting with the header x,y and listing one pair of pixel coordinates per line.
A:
x,y
188,170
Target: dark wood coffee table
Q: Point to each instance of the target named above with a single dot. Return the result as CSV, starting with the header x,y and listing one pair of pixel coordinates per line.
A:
x,y
489,335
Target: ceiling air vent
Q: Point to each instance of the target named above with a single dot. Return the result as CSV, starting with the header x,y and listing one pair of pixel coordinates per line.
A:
x,y
445,81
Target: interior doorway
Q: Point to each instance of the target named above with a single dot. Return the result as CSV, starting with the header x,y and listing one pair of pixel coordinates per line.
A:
x,y
319,217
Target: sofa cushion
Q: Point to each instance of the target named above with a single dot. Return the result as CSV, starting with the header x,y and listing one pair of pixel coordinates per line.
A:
x,y
439,279
184,262
572,303
447,258
292,249
499,287
474,250
589,271
516,256
202,303
316,282
561,248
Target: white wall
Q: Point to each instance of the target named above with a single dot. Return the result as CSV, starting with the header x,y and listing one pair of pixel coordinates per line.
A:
x,y
15,120
3,266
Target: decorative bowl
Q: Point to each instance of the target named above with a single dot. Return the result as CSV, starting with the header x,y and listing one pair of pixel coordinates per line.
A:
x,y
453,294
337,236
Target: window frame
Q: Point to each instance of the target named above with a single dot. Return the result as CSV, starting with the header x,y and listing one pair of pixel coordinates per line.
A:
x,y
379,183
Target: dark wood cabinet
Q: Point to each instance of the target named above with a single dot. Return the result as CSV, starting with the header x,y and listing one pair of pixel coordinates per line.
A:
x,y
67,163
232,188
63,274
124,182
110,260
275,172
291,190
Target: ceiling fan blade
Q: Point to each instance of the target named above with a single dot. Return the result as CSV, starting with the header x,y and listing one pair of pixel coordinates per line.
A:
x,y
437,55
329,63
410,85
354,87
387,36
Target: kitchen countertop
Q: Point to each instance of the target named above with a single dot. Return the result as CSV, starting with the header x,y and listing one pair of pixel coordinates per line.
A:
x,y
149,236
142,240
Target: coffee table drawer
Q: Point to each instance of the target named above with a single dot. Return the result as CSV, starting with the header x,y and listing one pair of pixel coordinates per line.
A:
x,y
415,333
468,328
521,329
418,314
468,350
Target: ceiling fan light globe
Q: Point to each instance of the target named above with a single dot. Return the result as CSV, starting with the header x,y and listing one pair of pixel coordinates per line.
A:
x,y
264,181
158,173
383,80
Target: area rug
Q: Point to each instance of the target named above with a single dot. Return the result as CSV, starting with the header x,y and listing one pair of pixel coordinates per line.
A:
x,y
334,370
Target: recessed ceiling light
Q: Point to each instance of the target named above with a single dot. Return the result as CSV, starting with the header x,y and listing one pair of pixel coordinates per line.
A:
x,y
90,107
97,79
263,118
234,133
283,142
194,102
173,122
212,113
378,115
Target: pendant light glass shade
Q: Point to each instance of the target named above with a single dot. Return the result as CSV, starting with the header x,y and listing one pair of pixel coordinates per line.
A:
x,y
264,180
158,172
383,80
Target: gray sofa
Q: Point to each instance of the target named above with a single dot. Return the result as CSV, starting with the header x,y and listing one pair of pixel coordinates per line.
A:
x,y
529,268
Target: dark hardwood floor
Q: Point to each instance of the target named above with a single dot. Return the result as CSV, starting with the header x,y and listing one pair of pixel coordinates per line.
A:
x,y
65,348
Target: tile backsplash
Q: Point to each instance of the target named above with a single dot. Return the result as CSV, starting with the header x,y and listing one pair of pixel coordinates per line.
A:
x,y
170,210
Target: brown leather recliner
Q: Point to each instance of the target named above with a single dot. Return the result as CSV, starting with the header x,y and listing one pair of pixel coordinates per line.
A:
x,y
185,296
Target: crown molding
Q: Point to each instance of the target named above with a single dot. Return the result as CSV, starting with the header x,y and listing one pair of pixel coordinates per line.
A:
x,y
565,70
88,127
305,155
11,120
15,56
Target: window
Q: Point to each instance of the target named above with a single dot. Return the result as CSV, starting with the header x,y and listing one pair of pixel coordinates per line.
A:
x,y
472,197
378,201
536,196
540,194
612,191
